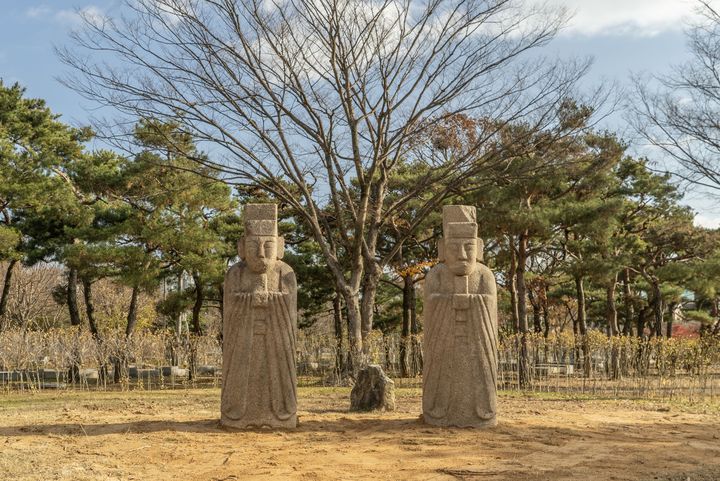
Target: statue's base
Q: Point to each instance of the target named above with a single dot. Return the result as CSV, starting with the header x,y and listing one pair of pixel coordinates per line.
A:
x,y
459,423
290,423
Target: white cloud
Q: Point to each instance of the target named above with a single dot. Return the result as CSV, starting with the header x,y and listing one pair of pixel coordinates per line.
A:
x,y
39,11
711,222
93,14
69,17
626,17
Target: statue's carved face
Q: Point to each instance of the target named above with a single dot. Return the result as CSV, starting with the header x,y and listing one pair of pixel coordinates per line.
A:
x,y
461,255
260,253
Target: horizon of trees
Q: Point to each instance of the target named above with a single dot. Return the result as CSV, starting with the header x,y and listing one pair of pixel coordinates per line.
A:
x,y
597,234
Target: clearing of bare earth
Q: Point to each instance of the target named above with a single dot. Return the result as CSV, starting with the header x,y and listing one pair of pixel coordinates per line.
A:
x,y
176,435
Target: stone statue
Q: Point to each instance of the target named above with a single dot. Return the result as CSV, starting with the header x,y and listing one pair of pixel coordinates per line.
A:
x,y
259,325
460,344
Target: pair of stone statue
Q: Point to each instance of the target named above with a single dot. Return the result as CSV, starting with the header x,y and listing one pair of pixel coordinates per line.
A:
x,y
260,319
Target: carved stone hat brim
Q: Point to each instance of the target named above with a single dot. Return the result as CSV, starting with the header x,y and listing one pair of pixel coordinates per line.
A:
x,y
463,230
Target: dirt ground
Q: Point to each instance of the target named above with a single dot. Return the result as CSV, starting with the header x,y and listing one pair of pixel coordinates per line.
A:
x,y
174,435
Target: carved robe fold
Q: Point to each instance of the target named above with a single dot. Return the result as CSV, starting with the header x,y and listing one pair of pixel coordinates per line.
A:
x,y
460,349
259,327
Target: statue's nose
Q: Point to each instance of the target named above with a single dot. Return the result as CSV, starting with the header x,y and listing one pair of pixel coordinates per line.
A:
x,y
463,253
261,252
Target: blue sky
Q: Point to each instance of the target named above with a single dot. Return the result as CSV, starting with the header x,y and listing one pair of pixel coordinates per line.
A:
x,y
623,36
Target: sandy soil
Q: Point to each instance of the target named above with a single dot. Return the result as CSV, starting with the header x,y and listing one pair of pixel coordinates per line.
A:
x,y
174,435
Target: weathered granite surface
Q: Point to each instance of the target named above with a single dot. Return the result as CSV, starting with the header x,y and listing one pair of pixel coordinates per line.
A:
x,y
460,340
373,391
259,386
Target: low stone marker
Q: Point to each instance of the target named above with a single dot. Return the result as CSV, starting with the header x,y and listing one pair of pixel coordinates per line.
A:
x,y
52,374
373,391
174,371
9,376
207,370
89,374
143,373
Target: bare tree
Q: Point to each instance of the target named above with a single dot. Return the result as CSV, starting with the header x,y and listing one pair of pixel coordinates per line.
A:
x,y
682,116
319,101
30,299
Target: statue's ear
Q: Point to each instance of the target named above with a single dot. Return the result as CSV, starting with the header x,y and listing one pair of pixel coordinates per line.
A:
x,y
241,247
280,247
441,249
480,250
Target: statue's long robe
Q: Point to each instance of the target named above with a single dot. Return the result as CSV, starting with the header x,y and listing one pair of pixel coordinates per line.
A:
x,y
460,350
259,374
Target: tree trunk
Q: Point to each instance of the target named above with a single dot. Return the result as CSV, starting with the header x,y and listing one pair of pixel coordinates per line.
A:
x,y
89,306
367,303
657,307
90,312
520,283
512,272
640,323
715,312
355,340
72,303
671,319
545,313
613,328
6,292
628,303
611,313
132,312
416,363
74,311
181,315
537,313
337,318
196,329
197,307
408,287
581,314
582,324
221,290
524,358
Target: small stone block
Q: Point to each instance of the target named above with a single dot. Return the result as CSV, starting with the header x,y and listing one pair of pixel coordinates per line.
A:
x,y
143,373
373,391
8,376
173,371
89,374
51,374
205,370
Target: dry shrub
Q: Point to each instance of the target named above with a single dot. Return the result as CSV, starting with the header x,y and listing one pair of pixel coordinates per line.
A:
x,y
656,367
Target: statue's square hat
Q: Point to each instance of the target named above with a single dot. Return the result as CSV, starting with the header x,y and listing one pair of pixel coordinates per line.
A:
x,y
261,220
